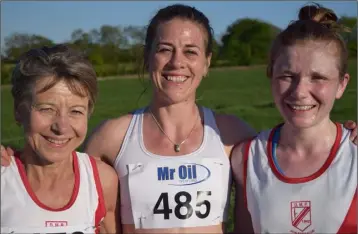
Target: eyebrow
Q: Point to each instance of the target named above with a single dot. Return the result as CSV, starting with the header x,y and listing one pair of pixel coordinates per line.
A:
x,y
170,44
51,104
289,72
318,74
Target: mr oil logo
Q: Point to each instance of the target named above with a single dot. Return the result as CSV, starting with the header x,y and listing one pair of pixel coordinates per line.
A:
x,y
185,174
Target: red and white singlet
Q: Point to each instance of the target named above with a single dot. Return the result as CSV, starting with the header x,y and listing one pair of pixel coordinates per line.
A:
x,y
22,212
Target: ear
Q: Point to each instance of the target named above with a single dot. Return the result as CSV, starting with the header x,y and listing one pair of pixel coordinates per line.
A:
x,y
207,65
342,85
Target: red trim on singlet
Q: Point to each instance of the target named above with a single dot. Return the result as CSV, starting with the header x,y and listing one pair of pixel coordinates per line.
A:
x,y
246,158
315,175
101,208
33,196
349,224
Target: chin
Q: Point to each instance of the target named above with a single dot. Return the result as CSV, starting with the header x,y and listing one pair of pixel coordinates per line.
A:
x,y
54,156
300,123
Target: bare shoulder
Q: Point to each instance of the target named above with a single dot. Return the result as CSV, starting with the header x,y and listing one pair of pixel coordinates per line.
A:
x,y
109,183
237,160
106,139
108,176
233,130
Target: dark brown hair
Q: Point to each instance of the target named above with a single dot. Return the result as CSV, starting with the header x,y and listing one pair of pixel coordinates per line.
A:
x,y
57,63
177,11
315,23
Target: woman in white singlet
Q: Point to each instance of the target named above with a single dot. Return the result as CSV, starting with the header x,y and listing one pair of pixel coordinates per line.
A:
x,y
48,186
301,176
172,157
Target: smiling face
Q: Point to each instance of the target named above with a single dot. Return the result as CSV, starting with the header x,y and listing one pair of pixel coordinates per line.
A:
x,y
177,60
305,82
56,123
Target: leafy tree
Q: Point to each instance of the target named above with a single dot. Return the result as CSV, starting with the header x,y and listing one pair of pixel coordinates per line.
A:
x,y
350,37
18,43
247,41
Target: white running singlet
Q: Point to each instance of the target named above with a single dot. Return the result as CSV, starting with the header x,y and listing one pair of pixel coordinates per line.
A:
x,y
22,212
324,202
167,192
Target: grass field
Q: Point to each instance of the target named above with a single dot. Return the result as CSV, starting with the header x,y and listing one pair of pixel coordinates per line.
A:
x,y
245,93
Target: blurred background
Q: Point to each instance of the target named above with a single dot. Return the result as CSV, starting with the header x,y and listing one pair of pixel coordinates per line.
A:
x,y
112,35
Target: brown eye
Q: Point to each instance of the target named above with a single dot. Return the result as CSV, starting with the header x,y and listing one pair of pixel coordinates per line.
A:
x,y
163,50
319,78
191,52
285,77
76,112
46,110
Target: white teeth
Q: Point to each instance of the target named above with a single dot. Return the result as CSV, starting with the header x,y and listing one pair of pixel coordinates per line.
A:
x,y
301,107
176,78
57,142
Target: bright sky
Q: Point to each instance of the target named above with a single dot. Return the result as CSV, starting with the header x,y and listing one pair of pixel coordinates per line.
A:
x,y
57,20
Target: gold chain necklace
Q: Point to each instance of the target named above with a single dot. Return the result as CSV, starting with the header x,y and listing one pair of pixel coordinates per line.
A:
x,y
176,146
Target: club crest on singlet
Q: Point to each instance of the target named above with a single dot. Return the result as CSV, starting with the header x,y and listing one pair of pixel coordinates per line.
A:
x,y
176,194
301,215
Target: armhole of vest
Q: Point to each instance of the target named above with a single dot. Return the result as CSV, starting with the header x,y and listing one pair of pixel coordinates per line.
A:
x,y
127,135
101,207
350,218
246,158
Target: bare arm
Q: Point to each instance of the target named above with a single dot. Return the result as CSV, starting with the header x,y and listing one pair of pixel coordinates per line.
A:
x,y
109,182
243,222
105,141
233,130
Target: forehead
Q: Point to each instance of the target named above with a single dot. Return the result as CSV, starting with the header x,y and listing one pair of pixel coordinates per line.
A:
x,y
60,90
181,30
308,57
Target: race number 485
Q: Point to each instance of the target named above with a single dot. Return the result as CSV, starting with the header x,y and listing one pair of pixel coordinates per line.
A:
x,y
166,210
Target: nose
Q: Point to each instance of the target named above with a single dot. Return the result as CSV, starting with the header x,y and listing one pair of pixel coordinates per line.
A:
x,y
61,124
300,88
177,59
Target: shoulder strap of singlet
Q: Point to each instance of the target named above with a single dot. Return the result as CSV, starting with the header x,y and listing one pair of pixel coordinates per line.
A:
x,y
209,119
136,116
101,208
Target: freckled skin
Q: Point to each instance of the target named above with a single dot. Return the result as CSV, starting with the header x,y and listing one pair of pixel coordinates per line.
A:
x,y
307,74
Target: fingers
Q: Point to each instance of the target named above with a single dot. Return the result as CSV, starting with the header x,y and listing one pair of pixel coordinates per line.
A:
x,y
10,151
5,157
353,137
350,124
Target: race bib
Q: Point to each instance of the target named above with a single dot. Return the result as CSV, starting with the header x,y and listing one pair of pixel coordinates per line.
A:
x,y
170,194
54,230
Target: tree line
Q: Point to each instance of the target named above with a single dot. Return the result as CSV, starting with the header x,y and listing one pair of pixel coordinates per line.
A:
x,y
116,50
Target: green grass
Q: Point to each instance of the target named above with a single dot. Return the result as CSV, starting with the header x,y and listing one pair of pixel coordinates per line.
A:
x,y
244,93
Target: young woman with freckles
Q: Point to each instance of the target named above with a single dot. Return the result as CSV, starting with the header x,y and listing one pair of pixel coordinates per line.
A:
x,y
301,176
172,157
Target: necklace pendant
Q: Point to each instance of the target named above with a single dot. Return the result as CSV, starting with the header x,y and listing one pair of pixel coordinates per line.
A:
x,y
176,148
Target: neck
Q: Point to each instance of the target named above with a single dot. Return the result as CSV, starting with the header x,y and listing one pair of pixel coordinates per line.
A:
x,y
176,116
308,139
41,170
